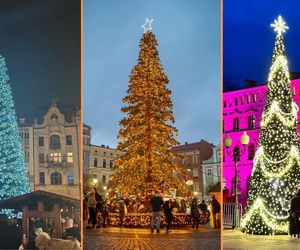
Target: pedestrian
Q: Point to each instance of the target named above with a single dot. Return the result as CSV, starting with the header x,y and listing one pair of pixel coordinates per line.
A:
x,y
168,215
121,213
295,212
215,212
203,206
91,204
156,203
195,213
104,215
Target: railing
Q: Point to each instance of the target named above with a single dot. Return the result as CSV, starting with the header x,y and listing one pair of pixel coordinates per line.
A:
x,y
229,214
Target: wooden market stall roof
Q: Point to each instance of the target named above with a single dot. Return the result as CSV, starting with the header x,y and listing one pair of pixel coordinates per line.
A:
x,y
19,201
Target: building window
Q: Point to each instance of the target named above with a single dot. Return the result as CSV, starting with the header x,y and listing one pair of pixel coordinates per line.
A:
x,y
195,159
111,164
196,186
242,100
251,151
104,163
174,160
236,100
69,139
26,156
248,99
26,135
209,172
95,162
236,124
41,141
56,178
103,179
195,172
42,178
185,161
55,157
54,142
70,178
251,122
41,158
224,104
70,157
254,97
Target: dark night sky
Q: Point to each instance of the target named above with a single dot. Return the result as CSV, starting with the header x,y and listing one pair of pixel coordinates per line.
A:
x,y
41,43
249,39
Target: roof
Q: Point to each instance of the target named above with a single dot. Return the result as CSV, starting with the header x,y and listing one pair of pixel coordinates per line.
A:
x,y
205,148
51,198
216,188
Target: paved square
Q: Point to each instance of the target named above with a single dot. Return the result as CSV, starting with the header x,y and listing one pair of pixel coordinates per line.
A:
x,y
235,239
113,238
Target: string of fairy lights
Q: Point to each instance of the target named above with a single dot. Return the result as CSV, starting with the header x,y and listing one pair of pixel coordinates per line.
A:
x,y
276,173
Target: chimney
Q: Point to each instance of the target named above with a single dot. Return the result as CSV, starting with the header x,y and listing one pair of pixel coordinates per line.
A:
x,y
22,120
250,83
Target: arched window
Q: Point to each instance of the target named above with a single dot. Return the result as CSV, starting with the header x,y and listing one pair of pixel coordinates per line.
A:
x,y
236,100
251,151
236,124
251,122
224,104
248,183
54,142
56,178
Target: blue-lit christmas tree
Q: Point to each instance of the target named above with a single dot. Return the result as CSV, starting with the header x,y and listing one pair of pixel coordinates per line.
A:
x,y
13,173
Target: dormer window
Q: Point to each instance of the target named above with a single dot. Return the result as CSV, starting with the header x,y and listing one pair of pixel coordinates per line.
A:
x,y
53,117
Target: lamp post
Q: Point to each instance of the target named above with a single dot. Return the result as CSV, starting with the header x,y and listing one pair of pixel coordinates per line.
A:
x,y
236,153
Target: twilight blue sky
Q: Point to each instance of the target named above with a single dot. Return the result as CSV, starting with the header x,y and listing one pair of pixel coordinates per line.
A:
x,y
188,33
249,39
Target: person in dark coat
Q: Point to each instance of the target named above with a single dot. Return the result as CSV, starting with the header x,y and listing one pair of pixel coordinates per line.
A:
x,y
104,215
295,212
203,206
168,214
121,213
156,203
195,213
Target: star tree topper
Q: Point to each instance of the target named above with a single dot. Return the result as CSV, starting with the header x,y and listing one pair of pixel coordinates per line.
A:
x,y
147,25
279,25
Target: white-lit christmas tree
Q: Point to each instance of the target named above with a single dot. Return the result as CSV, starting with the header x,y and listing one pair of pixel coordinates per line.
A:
x,y
276,171
13,173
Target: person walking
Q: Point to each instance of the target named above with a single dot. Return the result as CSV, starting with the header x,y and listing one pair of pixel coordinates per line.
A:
x,y
195,213
121,213
91,204
215,212
168,215
295,212
156,203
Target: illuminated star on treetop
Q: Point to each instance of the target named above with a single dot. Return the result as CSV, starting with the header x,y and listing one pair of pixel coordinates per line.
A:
x,y
147,25
279,25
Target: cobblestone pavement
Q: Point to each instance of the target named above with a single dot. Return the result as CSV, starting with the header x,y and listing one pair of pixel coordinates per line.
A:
x,y
235,239
112,238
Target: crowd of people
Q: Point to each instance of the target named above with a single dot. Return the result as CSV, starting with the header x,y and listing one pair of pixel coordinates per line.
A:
x,y
99,210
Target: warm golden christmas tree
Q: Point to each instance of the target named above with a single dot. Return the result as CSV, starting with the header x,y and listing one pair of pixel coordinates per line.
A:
x,y
146,134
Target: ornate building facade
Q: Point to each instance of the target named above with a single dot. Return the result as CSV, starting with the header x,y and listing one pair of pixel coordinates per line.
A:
x,y
211,171
51,150
98,162
242,111
192,162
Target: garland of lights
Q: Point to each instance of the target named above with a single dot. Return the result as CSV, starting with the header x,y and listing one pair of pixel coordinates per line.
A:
x,y
276,172
276,111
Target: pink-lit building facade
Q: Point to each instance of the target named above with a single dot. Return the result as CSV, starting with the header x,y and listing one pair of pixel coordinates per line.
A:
x,y
242,111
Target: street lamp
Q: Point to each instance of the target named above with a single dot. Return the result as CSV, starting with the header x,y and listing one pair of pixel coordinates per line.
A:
x,y
236,153
95,181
